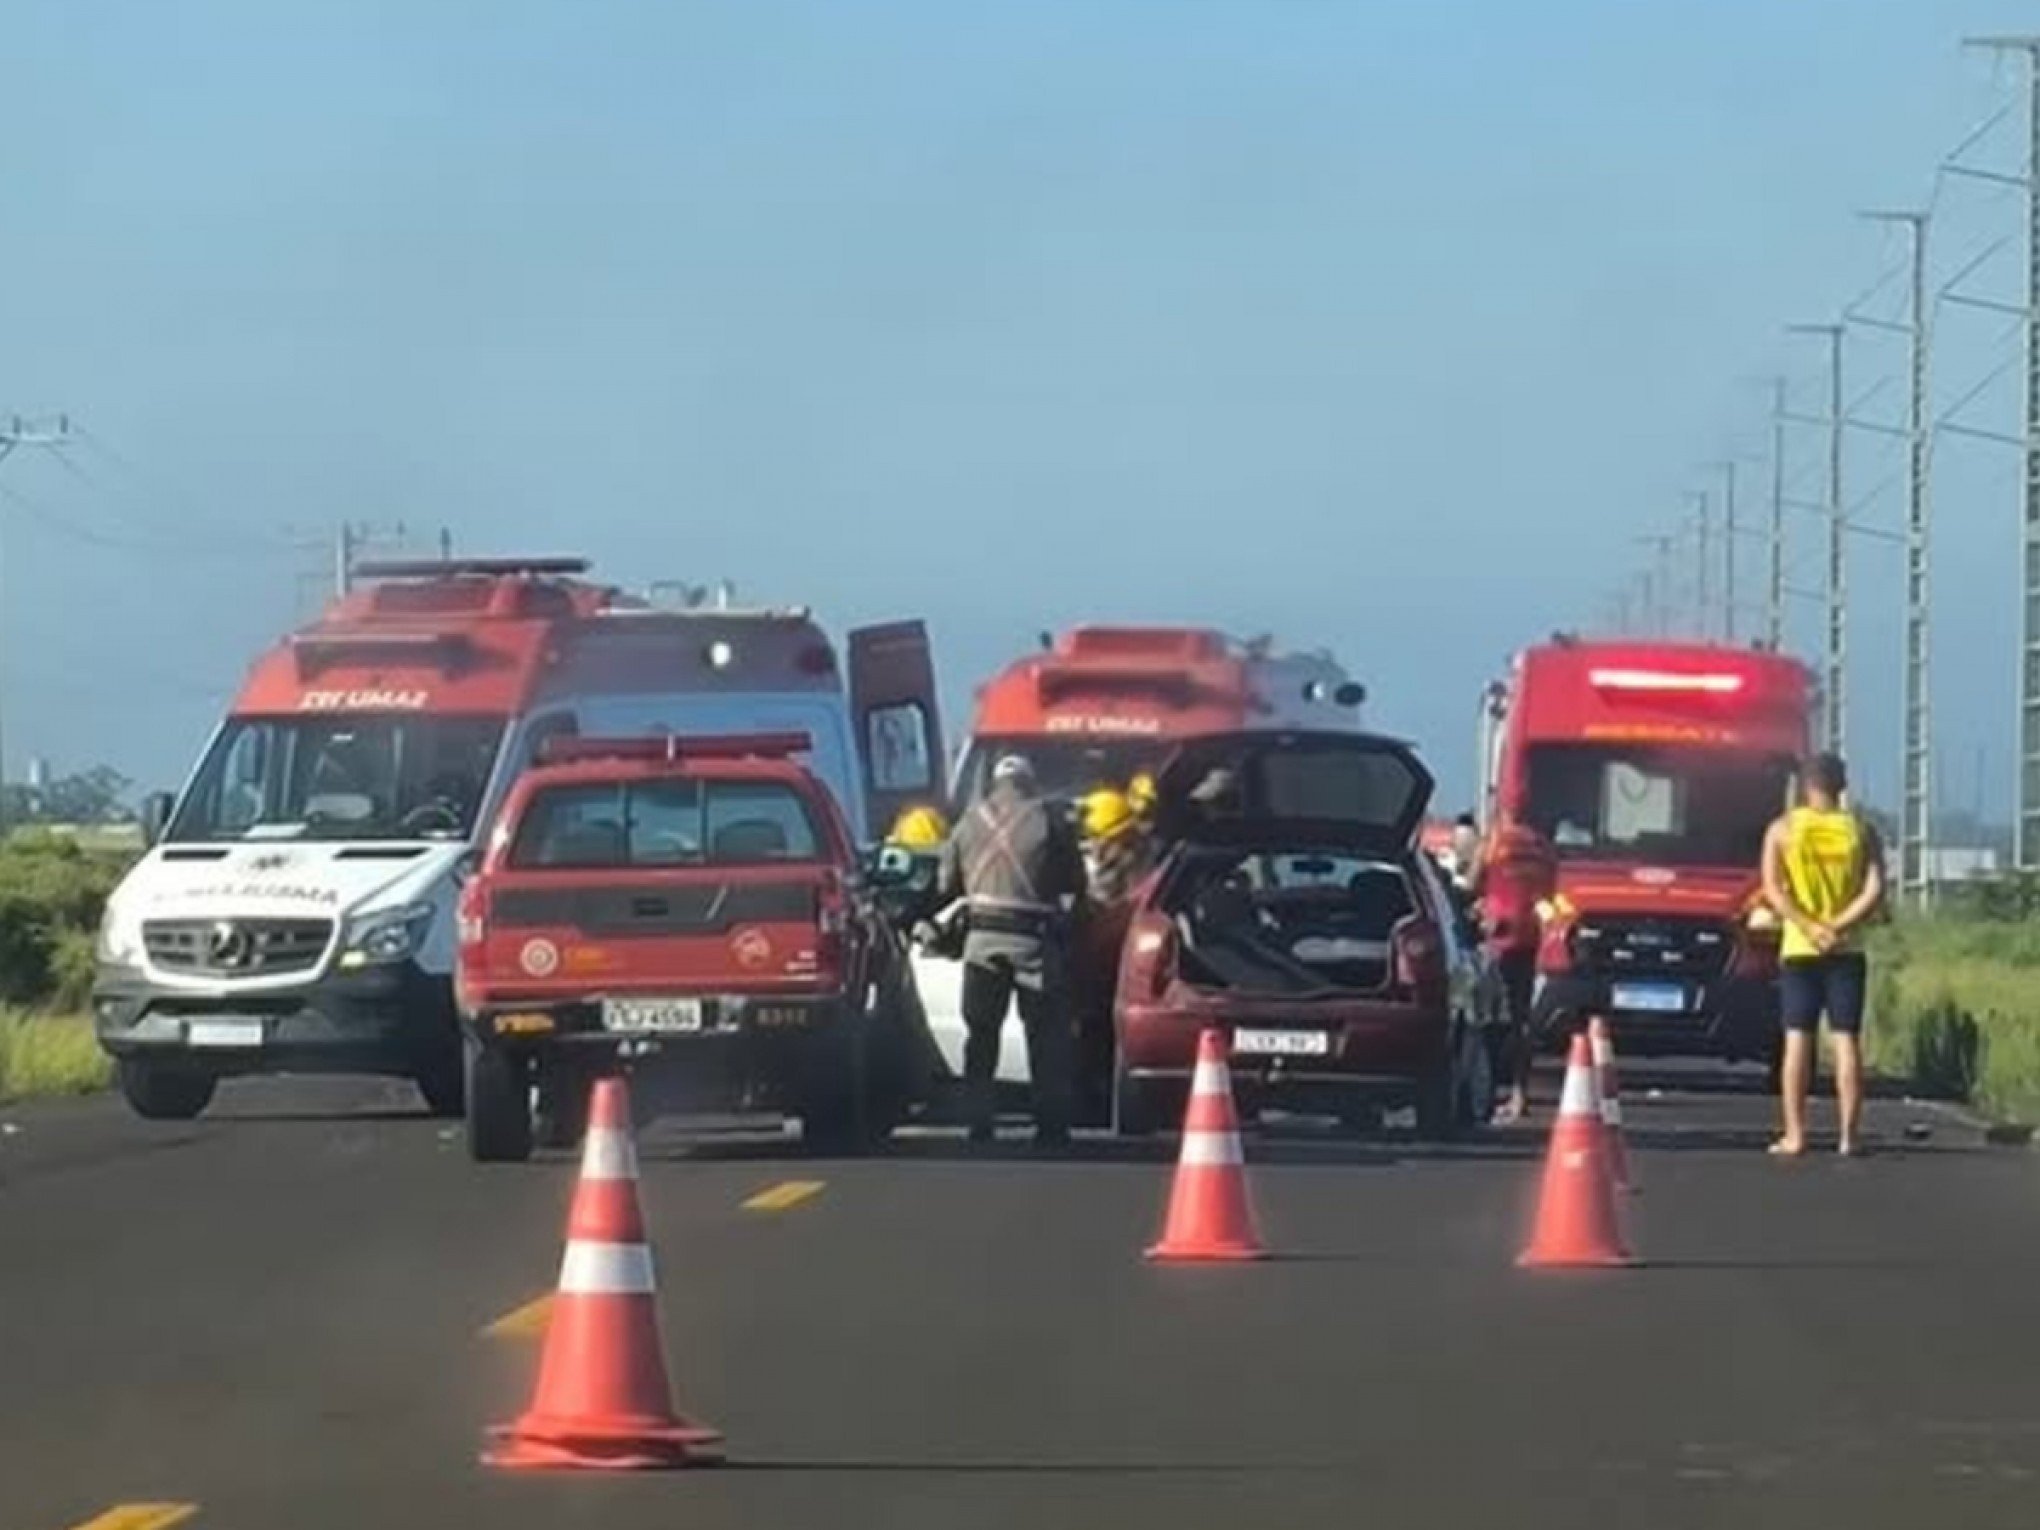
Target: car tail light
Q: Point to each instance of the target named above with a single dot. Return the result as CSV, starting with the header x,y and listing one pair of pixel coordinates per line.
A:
x,y
471,922
1416,955
832,917
1149,954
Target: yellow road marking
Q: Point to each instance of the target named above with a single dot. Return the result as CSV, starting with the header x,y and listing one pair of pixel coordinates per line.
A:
x,y
140,1516
524,1322
784,1195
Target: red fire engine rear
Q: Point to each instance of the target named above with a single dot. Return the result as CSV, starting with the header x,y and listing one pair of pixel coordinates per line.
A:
x,y
1629,787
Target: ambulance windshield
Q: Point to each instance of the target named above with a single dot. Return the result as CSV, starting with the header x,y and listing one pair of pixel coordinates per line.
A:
x,y
1702,807
1065,767
353,777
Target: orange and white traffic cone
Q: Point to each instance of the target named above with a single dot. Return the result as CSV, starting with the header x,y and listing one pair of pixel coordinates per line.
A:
x,y
1610,1090
1576,1221
602,1398
1210,1216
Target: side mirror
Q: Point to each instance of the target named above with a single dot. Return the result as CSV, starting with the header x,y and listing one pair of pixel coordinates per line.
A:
x,y
155,816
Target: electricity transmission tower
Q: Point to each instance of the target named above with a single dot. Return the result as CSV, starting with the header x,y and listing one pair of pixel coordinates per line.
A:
x,y
2026,820
17,434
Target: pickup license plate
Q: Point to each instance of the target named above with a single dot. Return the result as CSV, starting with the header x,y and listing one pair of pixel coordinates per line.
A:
x,y
665,1016
224,1033
1282,1043
1656,998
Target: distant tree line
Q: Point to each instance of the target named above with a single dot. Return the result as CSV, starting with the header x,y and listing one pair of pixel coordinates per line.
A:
x,y
97,795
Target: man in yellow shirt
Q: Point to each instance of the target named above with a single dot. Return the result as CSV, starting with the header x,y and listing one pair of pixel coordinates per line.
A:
x,y
1823,873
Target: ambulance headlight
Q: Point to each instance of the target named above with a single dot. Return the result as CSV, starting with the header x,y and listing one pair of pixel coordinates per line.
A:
x,y
387,935
120,938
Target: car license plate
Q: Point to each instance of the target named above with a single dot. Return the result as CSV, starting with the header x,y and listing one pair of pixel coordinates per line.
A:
x,y
1282,1043
1657,998
663,1015
224,1033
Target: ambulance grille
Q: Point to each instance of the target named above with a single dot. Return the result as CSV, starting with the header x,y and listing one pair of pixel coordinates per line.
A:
x,y
1619,946
231,948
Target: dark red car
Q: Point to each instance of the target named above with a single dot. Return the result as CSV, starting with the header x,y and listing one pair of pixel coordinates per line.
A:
x,y
692,911
1293,907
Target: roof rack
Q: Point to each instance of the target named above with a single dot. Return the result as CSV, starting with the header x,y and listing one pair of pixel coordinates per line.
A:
x,y
454,568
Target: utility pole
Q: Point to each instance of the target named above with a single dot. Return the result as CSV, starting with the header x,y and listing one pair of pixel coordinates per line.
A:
x,y
46,434
1835,658
351,537
2026,819
1916,807
1728,535
1702,584
1774,573
1659,596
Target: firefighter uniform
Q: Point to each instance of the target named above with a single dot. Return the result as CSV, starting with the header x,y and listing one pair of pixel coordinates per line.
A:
x,y
1017,865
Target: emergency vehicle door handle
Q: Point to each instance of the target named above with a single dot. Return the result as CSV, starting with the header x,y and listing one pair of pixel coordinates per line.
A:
x,y
648,908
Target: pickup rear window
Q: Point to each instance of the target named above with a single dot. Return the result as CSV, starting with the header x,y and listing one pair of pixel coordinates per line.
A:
x,y
665,823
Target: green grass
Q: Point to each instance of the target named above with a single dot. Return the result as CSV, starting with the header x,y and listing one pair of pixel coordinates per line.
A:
x,y
49,1054
1955,1010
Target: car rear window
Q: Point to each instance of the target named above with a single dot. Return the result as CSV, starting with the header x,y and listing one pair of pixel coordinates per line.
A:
x,y
665,823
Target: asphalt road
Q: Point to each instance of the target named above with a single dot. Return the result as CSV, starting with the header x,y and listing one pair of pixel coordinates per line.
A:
x,y
281,1315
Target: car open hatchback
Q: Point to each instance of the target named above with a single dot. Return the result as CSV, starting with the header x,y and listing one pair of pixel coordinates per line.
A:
x,y
1292,908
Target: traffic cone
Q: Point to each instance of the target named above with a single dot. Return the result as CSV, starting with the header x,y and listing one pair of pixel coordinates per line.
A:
x,y
1210,1214
1576,1223
602,1398
1610,1090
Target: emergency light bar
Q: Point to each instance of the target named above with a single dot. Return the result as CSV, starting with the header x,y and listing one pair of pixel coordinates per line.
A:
x,y
451,568
567,749
1664,681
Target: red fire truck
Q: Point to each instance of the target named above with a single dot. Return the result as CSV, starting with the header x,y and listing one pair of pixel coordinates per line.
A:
x,y
1628,786
295,909
1093,708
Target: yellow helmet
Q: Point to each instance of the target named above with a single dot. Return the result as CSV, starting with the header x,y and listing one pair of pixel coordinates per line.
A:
x,y
919,828
1107,814
1141,792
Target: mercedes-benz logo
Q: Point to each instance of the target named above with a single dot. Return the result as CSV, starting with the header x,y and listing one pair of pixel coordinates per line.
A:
x,y
228,945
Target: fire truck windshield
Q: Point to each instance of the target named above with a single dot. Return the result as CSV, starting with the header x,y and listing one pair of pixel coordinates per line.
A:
x,y
353,777
1694,807
1065,767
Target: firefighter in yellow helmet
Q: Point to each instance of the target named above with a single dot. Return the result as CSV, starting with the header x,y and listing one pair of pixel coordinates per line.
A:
x,y
918,829
1115,844
1141,795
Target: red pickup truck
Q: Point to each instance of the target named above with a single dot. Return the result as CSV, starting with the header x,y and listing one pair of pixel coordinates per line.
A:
x,y
694,911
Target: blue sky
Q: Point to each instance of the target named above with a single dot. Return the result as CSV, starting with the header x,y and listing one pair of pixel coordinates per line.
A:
x,y
1380,327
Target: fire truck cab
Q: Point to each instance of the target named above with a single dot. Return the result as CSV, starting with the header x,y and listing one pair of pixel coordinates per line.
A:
x,y
295,912
1093,708
1628,787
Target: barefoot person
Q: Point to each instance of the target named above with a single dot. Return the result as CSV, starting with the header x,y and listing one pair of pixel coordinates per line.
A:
x,y
1823,875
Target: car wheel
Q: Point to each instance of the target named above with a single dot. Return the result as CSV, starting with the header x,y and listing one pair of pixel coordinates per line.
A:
x,y
442,1081
159,1091
1437,1098
1362,1118
498,1106
561,1117
833,1114
1133,1112
1476,1080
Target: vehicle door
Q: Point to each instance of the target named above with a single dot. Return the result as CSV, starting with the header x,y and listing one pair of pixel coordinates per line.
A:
x,y
899,733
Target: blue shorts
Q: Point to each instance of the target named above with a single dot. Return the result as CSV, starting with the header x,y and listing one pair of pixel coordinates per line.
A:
x,y
1812,986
